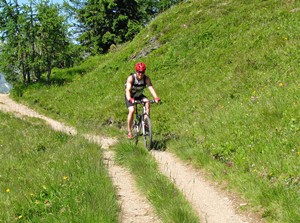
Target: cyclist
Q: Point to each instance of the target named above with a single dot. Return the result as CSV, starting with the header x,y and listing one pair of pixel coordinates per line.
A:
x,y
135,85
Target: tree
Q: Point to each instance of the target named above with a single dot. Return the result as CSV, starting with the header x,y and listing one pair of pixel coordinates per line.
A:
x,y
51,34
34,36
102,23
10,13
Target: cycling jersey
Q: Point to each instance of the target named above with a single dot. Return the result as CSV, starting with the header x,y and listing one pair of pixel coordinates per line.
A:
x,y
138,86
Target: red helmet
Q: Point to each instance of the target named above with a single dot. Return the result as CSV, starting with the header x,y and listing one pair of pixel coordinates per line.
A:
x,y
140,67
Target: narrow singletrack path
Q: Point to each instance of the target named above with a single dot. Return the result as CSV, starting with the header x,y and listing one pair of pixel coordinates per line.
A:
x,y
135,207
211,203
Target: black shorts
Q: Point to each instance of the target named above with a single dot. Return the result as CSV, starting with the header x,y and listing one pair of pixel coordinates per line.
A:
x,y
128,103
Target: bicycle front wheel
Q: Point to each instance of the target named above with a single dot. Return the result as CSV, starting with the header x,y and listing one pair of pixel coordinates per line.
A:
x,y
136,132
147,132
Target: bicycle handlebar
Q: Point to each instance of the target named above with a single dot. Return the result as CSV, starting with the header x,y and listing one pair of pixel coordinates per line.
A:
x,y
144,102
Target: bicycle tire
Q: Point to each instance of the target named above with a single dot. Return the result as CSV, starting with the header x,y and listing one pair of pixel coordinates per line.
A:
x,y
147,134
136,132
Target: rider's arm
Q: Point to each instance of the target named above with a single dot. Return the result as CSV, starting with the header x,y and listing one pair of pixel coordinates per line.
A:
x,y
150,87
128,87
152,91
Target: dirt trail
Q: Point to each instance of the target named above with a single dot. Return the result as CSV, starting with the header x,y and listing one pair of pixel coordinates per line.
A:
x,y
211,203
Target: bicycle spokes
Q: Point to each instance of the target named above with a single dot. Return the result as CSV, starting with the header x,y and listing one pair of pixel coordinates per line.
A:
x,y
147,132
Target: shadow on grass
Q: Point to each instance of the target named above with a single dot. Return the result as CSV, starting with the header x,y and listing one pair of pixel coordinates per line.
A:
x,y
159,144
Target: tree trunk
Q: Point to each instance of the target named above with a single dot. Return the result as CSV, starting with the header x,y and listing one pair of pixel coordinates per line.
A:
x,y
48,74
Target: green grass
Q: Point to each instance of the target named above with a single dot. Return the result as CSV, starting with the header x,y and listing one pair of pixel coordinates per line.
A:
x,y
228,74
48,176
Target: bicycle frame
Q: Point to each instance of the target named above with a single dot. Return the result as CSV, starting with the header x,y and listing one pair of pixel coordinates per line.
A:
x,y
140,116
139,123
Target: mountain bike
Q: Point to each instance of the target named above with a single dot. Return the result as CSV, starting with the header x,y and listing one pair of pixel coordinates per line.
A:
x,y
142,124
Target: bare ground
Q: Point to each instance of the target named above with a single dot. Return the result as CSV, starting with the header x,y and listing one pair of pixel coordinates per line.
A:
x,y
212,204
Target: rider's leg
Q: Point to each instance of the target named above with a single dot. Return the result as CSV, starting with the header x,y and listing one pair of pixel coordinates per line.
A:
x,y
130,117
147,113
147,105
148,108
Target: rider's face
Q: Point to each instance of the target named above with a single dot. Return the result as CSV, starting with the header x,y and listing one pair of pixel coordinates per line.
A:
x,y
140,74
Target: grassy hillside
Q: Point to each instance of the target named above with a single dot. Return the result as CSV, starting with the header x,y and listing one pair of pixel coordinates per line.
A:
x,y
228,73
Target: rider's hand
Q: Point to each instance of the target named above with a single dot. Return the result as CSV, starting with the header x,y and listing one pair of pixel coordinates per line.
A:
x,y
157,100
131,100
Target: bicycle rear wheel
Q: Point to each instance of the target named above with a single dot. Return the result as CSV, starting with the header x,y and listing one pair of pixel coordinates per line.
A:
x,y
147,132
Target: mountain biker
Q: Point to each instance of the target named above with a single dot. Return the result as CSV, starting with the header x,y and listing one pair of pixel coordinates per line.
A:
x,y
135,85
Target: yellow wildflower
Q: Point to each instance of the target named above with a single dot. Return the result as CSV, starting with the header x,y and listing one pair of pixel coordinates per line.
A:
x,y
7,190
65,178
